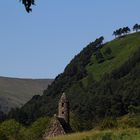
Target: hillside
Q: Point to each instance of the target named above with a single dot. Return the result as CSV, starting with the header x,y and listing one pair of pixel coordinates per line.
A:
x,y
124,128
102,80
15,92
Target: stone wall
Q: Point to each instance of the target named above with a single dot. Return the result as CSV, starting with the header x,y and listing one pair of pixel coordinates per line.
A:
x,y
55,129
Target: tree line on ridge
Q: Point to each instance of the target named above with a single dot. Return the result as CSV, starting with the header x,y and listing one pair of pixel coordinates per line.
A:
x,y
125,30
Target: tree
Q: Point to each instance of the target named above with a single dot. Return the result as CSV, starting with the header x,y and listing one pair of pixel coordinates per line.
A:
x,y
126,30
10,130
136,27
28,4
121,31
37,129
115,33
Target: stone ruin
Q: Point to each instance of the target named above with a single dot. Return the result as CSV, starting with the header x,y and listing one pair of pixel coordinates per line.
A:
x,y
60,124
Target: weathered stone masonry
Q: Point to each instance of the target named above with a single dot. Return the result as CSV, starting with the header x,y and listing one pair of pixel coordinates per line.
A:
x,y
60,124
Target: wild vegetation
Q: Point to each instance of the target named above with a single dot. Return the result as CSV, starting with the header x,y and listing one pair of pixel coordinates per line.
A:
x,y
115,134
124,128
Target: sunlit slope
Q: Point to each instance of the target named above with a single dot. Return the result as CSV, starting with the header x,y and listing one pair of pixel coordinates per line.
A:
x,y
122,49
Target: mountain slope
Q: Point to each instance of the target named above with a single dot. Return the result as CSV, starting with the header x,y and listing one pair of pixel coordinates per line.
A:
x,y
102,80
15,92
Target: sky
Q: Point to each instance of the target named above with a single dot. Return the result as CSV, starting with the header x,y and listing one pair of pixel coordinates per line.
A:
x,y
42,43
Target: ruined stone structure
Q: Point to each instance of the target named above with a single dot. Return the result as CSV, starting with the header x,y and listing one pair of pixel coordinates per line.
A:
x,y
63,108
60,124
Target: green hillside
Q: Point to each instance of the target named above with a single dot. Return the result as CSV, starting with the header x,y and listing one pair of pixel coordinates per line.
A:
x,y
122,49
102,80
15,92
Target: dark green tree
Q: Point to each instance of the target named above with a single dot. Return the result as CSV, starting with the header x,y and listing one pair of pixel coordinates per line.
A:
x,y
115,33
28,4
121,31
125,30
136,27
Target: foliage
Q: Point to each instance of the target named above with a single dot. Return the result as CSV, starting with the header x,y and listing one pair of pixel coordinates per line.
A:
x,y
131,121
115,134
10,130
2,135
99,56
121,31
108,53
136,27
28,4
36,130
108,123
134,109
75,122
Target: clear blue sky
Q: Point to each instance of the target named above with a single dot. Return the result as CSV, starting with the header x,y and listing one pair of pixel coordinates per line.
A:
x,y
41,44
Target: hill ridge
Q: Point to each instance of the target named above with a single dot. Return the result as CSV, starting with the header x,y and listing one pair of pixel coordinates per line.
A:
x,y
14,92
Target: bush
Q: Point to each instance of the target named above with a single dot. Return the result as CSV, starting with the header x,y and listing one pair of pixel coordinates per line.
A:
x,y
107,136
10,130
36,130
108,123
99,56
75,122
3,136
130,121
108,53
134,109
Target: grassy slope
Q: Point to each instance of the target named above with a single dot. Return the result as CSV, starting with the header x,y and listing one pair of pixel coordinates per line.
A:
x,y
122,49
128,129
116,134
16,92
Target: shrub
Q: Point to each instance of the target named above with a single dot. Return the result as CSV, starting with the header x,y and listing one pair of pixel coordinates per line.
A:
x,y
130,121
108,53
99,56
10,130
36,130
108,123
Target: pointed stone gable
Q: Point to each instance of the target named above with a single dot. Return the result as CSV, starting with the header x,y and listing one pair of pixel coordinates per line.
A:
x,y
55,129
60,125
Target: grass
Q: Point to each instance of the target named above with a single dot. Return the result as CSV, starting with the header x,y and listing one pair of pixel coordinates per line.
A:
x,y
116,134
127,128
121,49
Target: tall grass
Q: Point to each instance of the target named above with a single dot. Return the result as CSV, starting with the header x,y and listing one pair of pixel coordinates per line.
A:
x,y
115,134
124,128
